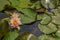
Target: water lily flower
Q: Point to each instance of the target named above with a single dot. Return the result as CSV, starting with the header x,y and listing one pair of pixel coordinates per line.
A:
x,y
15,20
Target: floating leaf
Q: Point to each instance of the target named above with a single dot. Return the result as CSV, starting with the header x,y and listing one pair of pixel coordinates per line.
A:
x,y
58,33
50,3
28,17
46,37
41,16
45,18
47,29
20,4
56,19
37,4
11,35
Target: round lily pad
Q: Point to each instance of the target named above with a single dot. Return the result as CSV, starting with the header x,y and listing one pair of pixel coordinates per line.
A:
x,y
45,18
46,37
47,29
58,33
36,4
20,4
56,19
49,3
11,35
28,16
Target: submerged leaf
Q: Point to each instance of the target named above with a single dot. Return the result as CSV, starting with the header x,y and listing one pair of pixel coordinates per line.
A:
x,y
4,27
28,36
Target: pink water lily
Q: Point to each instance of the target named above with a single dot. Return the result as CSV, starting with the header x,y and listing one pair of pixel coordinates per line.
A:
x,y
15,21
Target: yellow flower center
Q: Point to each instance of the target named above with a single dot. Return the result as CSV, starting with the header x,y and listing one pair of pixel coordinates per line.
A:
x,y
14,22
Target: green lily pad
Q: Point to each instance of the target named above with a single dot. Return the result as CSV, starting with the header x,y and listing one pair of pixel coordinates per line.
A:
x,y
28,36
47,29
56,19
20,4
28,17
45,18
41,16
58,39
37,4
50,3
58,33
46,37
11,35
3,3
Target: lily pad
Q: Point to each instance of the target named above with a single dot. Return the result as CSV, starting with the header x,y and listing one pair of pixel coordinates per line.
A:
x,y
45,18
28,17
46,37
56,19
37,4
49,3
47,29
58,33
20,4
11,35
